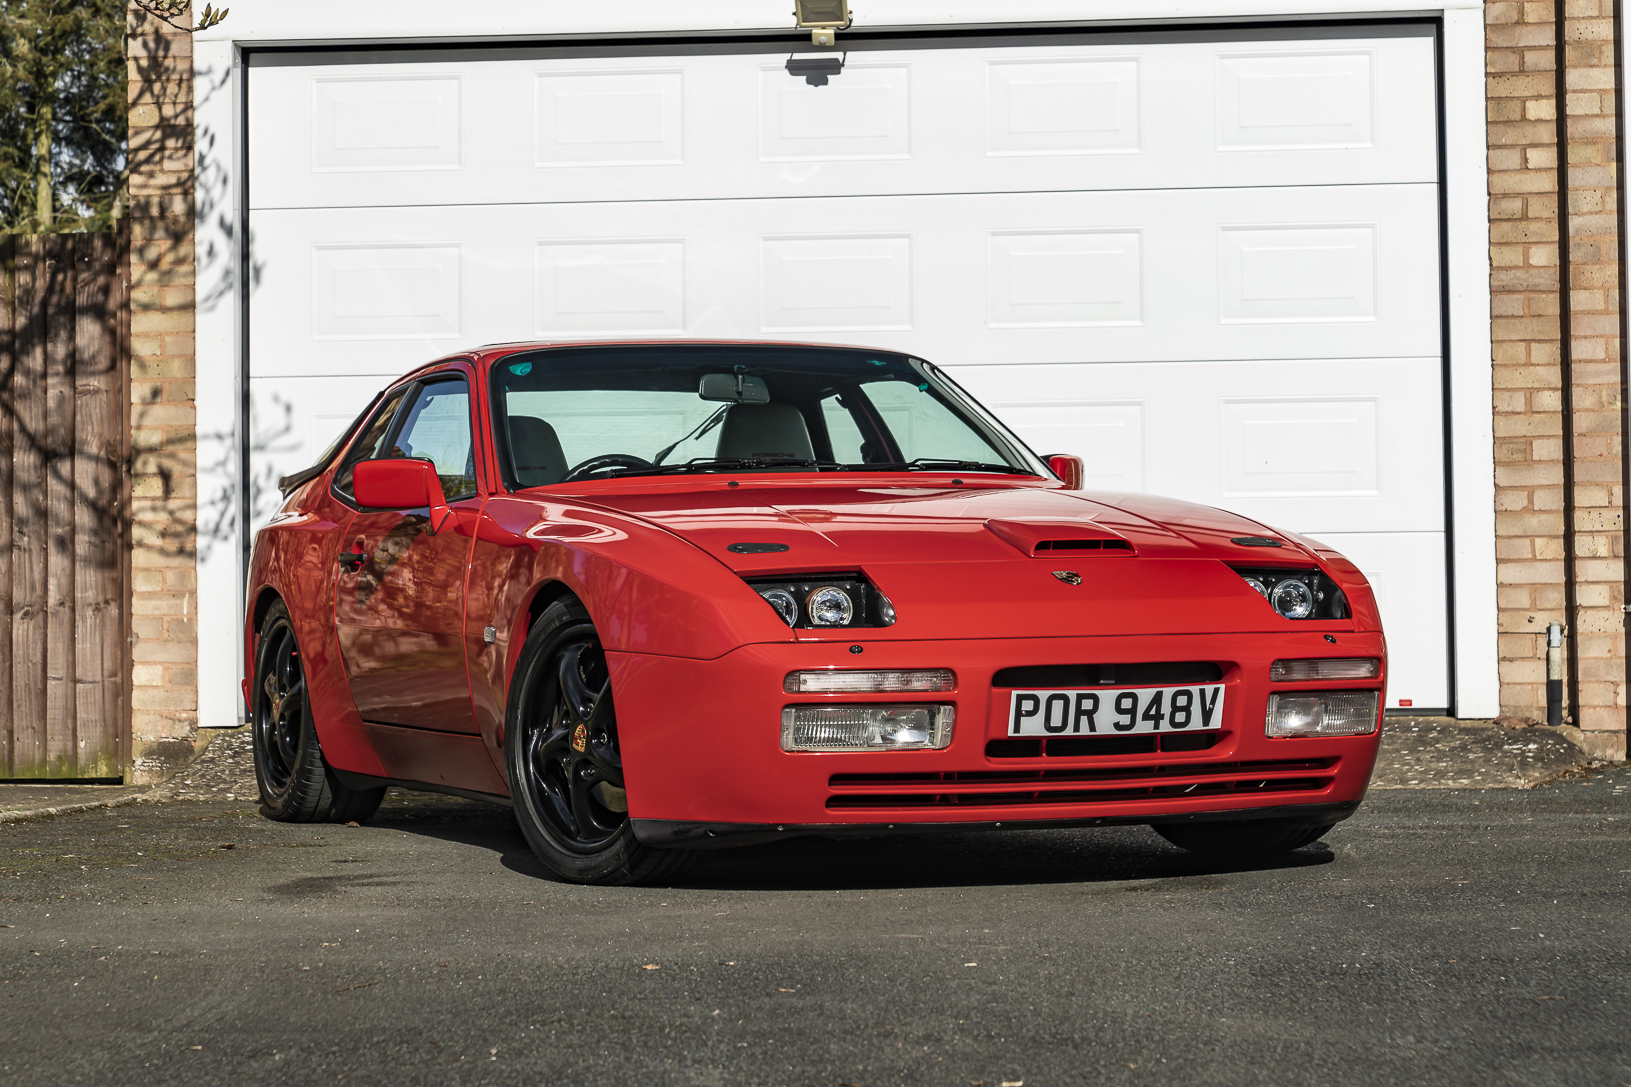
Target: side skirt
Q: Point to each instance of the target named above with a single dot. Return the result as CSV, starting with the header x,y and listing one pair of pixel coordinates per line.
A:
x,y
367,781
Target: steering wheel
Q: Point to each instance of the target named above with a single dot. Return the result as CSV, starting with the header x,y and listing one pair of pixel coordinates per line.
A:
x,y
601,464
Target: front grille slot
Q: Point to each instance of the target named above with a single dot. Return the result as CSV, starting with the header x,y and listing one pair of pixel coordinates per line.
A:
x,y
1087,773
1078,747
919,801
1148,674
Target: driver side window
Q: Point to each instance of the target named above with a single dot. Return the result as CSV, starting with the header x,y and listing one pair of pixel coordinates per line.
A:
x,y
437,428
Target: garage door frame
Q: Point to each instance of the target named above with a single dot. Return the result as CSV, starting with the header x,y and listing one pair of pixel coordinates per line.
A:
x,y
223,325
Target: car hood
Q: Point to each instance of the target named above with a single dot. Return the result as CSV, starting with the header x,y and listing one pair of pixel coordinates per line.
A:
x,y
969,560
774,529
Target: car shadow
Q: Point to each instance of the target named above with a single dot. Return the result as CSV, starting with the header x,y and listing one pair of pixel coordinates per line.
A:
x,y
973,859
1088,855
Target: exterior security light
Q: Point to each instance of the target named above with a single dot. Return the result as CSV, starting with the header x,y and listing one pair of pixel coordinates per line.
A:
x,y
823,19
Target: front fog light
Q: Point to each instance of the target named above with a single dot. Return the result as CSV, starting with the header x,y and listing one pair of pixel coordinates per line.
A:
x,y
1322,713
896,727
830,607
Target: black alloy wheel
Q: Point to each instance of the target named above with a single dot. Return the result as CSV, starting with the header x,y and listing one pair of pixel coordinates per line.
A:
x,y
565,769
296,782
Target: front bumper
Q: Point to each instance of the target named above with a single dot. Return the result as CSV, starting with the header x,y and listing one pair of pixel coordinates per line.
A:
x,y
704,765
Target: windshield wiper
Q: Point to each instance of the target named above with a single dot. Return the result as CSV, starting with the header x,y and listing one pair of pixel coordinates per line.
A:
x,y
723,464
936,464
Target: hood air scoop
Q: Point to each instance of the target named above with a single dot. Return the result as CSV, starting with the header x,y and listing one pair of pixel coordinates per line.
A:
x,y
1084,538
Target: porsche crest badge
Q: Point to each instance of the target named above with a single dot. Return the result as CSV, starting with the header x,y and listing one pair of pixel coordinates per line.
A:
x,y
580,738
1069,577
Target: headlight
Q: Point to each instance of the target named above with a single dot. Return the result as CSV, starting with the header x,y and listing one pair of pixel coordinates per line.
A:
x,y
895,727
1293,599
830,606
1297,593
785,605
1322,713
825,600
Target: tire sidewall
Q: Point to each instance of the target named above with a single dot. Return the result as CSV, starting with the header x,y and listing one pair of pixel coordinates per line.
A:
x,y
531,683
287,803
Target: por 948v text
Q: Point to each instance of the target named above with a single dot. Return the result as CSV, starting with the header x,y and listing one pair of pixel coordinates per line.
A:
x,y
1145,709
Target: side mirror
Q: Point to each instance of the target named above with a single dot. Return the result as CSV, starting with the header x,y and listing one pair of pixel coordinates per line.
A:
x,y
400,483
1069,468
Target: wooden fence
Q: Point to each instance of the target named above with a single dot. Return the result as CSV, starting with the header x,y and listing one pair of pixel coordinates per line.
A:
x,y
64,502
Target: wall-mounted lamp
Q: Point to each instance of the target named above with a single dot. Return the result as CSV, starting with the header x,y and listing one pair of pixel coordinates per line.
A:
x,y
823,19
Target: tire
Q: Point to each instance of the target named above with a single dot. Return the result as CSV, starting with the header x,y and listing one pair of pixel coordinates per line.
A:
x,y
1242,838
296,783
565,770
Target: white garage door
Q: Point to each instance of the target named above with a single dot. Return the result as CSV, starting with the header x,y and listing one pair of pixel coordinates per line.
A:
x,y
1209,267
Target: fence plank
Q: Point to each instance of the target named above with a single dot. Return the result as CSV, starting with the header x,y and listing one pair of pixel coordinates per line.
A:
x,y
61,715
8,391
64,497
99,558
28,555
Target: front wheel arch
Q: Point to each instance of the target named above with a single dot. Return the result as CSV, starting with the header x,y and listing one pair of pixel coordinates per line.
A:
x,y
557,754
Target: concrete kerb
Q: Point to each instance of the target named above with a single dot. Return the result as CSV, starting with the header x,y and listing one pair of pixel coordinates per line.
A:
x,y
228,756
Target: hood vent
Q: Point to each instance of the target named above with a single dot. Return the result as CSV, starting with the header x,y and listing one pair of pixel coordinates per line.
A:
x,y
1084,538
1082,545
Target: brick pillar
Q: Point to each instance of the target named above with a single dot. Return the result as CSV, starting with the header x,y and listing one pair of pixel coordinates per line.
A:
x,y
164,603
1536,456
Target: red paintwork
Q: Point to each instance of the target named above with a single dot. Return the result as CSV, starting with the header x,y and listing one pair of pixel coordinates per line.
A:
x,y
404,685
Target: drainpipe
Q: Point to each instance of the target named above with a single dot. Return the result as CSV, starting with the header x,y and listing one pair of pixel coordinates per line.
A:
x,y
1554,674
1565,358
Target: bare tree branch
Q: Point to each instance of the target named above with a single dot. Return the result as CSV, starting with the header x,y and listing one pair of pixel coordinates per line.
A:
x,y
168,11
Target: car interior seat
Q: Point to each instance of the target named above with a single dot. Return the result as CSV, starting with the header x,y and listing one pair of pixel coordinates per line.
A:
x,y
535,450
764,430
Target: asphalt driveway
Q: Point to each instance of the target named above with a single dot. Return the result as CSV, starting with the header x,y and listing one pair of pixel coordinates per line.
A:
x,y
1472,936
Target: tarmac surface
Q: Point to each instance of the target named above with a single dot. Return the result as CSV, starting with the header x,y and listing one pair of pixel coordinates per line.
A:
x,y
1443,935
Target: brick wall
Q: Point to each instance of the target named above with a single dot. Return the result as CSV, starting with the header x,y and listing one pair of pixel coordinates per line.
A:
x,y
1546,140
164,604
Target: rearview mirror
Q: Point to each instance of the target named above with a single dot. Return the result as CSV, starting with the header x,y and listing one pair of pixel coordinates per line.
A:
x,y
400,483
1069,468
734,389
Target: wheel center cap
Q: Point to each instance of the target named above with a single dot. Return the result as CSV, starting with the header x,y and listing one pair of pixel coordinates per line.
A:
x,y
580,738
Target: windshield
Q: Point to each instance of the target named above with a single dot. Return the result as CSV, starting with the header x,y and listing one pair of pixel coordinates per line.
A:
x,y
568,414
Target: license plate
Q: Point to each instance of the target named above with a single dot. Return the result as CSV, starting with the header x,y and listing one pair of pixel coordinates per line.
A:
x,y
1111,711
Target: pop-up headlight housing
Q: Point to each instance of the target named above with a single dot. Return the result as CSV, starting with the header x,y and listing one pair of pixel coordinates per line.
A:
x,y
825,601
1297,593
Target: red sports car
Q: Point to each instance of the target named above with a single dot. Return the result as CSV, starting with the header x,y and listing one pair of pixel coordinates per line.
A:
x,y
675,595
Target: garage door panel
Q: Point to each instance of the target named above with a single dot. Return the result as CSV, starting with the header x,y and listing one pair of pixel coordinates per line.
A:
x,y
1407,572
967,280
712,126
1312,445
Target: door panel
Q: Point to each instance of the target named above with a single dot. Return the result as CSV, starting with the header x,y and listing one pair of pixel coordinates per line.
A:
x,y
1065,116
400,611
1236,274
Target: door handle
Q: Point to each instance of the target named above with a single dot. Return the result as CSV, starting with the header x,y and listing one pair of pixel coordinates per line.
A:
x,y
352,560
